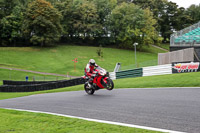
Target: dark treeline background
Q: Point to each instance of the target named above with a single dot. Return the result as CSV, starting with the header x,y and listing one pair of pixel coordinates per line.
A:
x,y
92,22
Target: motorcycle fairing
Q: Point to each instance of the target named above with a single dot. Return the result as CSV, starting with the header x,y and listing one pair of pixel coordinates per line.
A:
x,y
98,80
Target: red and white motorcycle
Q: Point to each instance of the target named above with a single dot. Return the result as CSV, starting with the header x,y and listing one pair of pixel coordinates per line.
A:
x,y
101,80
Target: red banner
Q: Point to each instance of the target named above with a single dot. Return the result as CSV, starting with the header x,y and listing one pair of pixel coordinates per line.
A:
x,y
185,67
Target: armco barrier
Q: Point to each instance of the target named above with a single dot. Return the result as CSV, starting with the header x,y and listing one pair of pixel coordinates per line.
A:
x,y
175,67
129,73
157,70
112,75
42,86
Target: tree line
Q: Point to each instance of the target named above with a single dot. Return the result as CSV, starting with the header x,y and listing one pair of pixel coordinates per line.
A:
x,y
95,22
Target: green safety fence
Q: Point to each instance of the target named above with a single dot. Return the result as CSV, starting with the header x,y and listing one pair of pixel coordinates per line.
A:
x,y
129,73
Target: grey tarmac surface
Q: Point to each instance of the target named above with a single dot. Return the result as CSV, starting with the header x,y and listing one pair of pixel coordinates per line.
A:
x,y
175,109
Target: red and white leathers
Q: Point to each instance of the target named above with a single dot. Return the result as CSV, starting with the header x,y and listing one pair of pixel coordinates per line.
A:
x,y
89,69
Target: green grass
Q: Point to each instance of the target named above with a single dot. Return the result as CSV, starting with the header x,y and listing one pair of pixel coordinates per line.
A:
x,y
151,49
25,122
172,80
165,46
59,59
21,76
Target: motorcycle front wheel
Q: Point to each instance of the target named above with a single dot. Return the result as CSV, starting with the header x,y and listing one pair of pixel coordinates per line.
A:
x,y
110,84
88,90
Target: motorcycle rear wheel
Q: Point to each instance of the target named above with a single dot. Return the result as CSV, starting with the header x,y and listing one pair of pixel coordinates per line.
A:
x,y
88,90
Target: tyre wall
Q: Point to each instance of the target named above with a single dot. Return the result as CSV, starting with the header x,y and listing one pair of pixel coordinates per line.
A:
x,y
23,86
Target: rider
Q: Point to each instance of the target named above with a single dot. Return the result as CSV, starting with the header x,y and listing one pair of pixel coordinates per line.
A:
x,y
90,69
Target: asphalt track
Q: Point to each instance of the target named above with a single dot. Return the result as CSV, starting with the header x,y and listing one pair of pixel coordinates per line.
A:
x,y
176,109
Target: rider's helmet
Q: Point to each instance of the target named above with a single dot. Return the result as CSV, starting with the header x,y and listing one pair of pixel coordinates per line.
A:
x,y
92,62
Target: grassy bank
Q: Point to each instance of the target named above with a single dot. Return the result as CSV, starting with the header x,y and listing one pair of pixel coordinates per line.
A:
x,y
25,122
59,59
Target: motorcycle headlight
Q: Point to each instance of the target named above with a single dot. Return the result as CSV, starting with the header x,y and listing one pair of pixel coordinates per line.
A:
x,y
102,73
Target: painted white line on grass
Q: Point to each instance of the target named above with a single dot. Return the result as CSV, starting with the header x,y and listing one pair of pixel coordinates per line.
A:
x,y
100,121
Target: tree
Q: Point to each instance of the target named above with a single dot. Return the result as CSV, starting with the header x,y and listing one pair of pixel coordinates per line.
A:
x,y
194,12
164,12
144,3
129,24
66,9
42,23
166,19
104,8
11,25
6,7
149,33
122,1
24,2
85,19
181,19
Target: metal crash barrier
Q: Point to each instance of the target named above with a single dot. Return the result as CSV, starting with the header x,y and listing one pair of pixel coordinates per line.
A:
x,y
129,73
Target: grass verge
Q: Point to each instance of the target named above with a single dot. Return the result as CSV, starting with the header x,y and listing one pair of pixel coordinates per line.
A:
x,y
25,122
172,80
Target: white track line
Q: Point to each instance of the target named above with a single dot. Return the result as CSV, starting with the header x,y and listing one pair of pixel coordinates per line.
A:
x,y
101,121
158,88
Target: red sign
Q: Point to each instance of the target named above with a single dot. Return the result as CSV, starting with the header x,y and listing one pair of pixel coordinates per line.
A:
x,y
75,60
186,67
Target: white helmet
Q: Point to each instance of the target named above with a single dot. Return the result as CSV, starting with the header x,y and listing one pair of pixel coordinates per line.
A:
x,y
92,62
